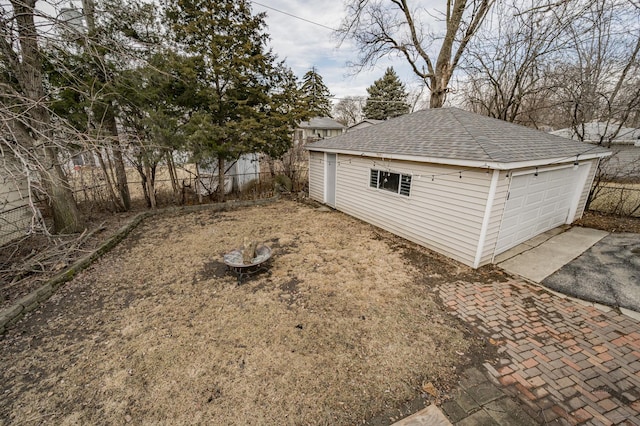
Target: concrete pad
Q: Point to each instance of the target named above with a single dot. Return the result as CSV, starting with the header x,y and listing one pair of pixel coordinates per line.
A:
x,y
485,393
541,261
631,314
479,418
430,416
545,236
512,252
529,244
506,412
453,411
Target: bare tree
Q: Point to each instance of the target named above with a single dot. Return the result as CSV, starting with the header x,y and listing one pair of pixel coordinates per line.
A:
x,y
598,79
393,27
348,110
25,118
507,62
556,64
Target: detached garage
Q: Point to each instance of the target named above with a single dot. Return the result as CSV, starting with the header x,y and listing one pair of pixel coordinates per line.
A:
x,y
462,184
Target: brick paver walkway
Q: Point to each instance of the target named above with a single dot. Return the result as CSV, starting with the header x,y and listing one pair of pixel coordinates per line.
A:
x,y
568,363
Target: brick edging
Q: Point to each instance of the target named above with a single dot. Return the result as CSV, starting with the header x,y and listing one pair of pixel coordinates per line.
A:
x,y
9,316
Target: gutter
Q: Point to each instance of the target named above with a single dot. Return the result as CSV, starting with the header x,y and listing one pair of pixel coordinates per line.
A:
x,y
494,165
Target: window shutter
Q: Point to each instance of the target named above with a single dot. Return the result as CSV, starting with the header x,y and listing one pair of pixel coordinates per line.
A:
x,y
405,185
373,182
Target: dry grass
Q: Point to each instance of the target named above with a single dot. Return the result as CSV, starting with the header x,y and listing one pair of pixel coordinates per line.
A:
x,y
341,329
618,198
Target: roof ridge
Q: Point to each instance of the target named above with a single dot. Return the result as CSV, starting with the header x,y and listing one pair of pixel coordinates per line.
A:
x,y
455,110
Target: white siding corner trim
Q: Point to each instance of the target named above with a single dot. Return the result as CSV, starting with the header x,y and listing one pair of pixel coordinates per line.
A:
x,y
487,217
584,170
330,178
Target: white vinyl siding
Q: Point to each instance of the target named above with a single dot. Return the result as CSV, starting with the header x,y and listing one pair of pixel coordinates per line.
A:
x,y
444,212
15,213
316,176
587,187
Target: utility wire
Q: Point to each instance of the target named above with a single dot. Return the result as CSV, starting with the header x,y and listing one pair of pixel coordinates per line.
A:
x,y
292,15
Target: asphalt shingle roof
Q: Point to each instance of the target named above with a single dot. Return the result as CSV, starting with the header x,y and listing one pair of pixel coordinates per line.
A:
x,y
321,123
452,133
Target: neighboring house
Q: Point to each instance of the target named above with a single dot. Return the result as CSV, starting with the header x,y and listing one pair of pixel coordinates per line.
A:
x,y
15,212
602,132
238,174
367,122
462,184
625,145
317,128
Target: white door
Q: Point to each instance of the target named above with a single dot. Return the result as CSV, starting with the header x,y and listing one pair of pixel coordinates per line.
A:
x,y
330,182
536,204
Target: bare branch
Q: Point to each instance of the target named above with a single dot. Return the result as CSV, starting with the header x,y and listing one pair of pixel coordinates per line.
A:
x,y
392,26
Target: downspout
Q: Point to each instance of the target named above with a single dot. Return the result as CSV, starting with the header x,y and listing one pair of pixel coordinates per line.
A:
x,y
487,217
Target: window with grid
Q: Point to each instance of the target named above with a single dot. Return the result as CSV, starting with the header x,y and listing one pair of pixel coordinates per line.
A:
x,y
392,182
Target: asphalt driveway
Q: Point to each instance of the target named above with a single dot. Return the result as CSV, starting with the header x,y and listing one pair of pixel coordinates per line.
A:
x,y
607,273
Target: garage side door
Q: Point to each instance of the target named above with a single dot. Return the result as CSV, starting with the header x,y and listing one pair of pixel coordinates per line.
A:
x,y
535,205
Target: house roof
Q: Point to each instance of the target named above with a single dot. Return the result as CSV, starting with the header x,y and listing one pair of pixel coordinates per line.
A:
x,y
597,131
364,123
321,123
455,136
625,163
368,120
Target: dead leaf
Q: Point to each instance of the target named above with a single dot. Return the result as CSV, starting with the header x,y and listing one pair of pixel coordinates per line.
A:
x,y
430,389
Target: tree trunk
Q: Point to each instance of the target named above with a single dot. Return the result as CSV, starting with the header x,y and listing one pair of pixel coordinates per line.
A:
x,y
437,98
174,177
220,179
198,184
143,180
121,173
116,202
150,185
88,9
272,166
66,216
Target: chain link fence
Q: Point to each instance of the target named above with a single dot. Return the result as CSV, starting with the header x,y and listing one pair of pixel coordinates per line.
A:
x,y
15,223
92,191
617,198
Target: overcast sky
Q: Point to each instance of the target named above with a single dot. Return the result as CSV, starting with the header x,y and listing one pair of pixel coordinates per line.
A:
x,y
304,45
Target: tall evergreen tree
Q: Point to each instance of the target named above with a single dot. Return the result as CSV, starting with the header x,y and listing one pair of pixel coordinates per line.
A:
x,y
315,94
83,70
238,110
387,97
157,100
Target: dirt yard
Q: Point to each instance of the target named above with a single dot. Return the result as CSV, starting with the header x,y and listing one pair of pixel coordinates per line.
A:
x,y
610,223
345,328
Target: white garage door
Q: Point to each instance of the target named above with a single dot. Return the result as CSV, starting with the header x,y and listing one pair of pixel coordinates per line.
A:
x,y
536,204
